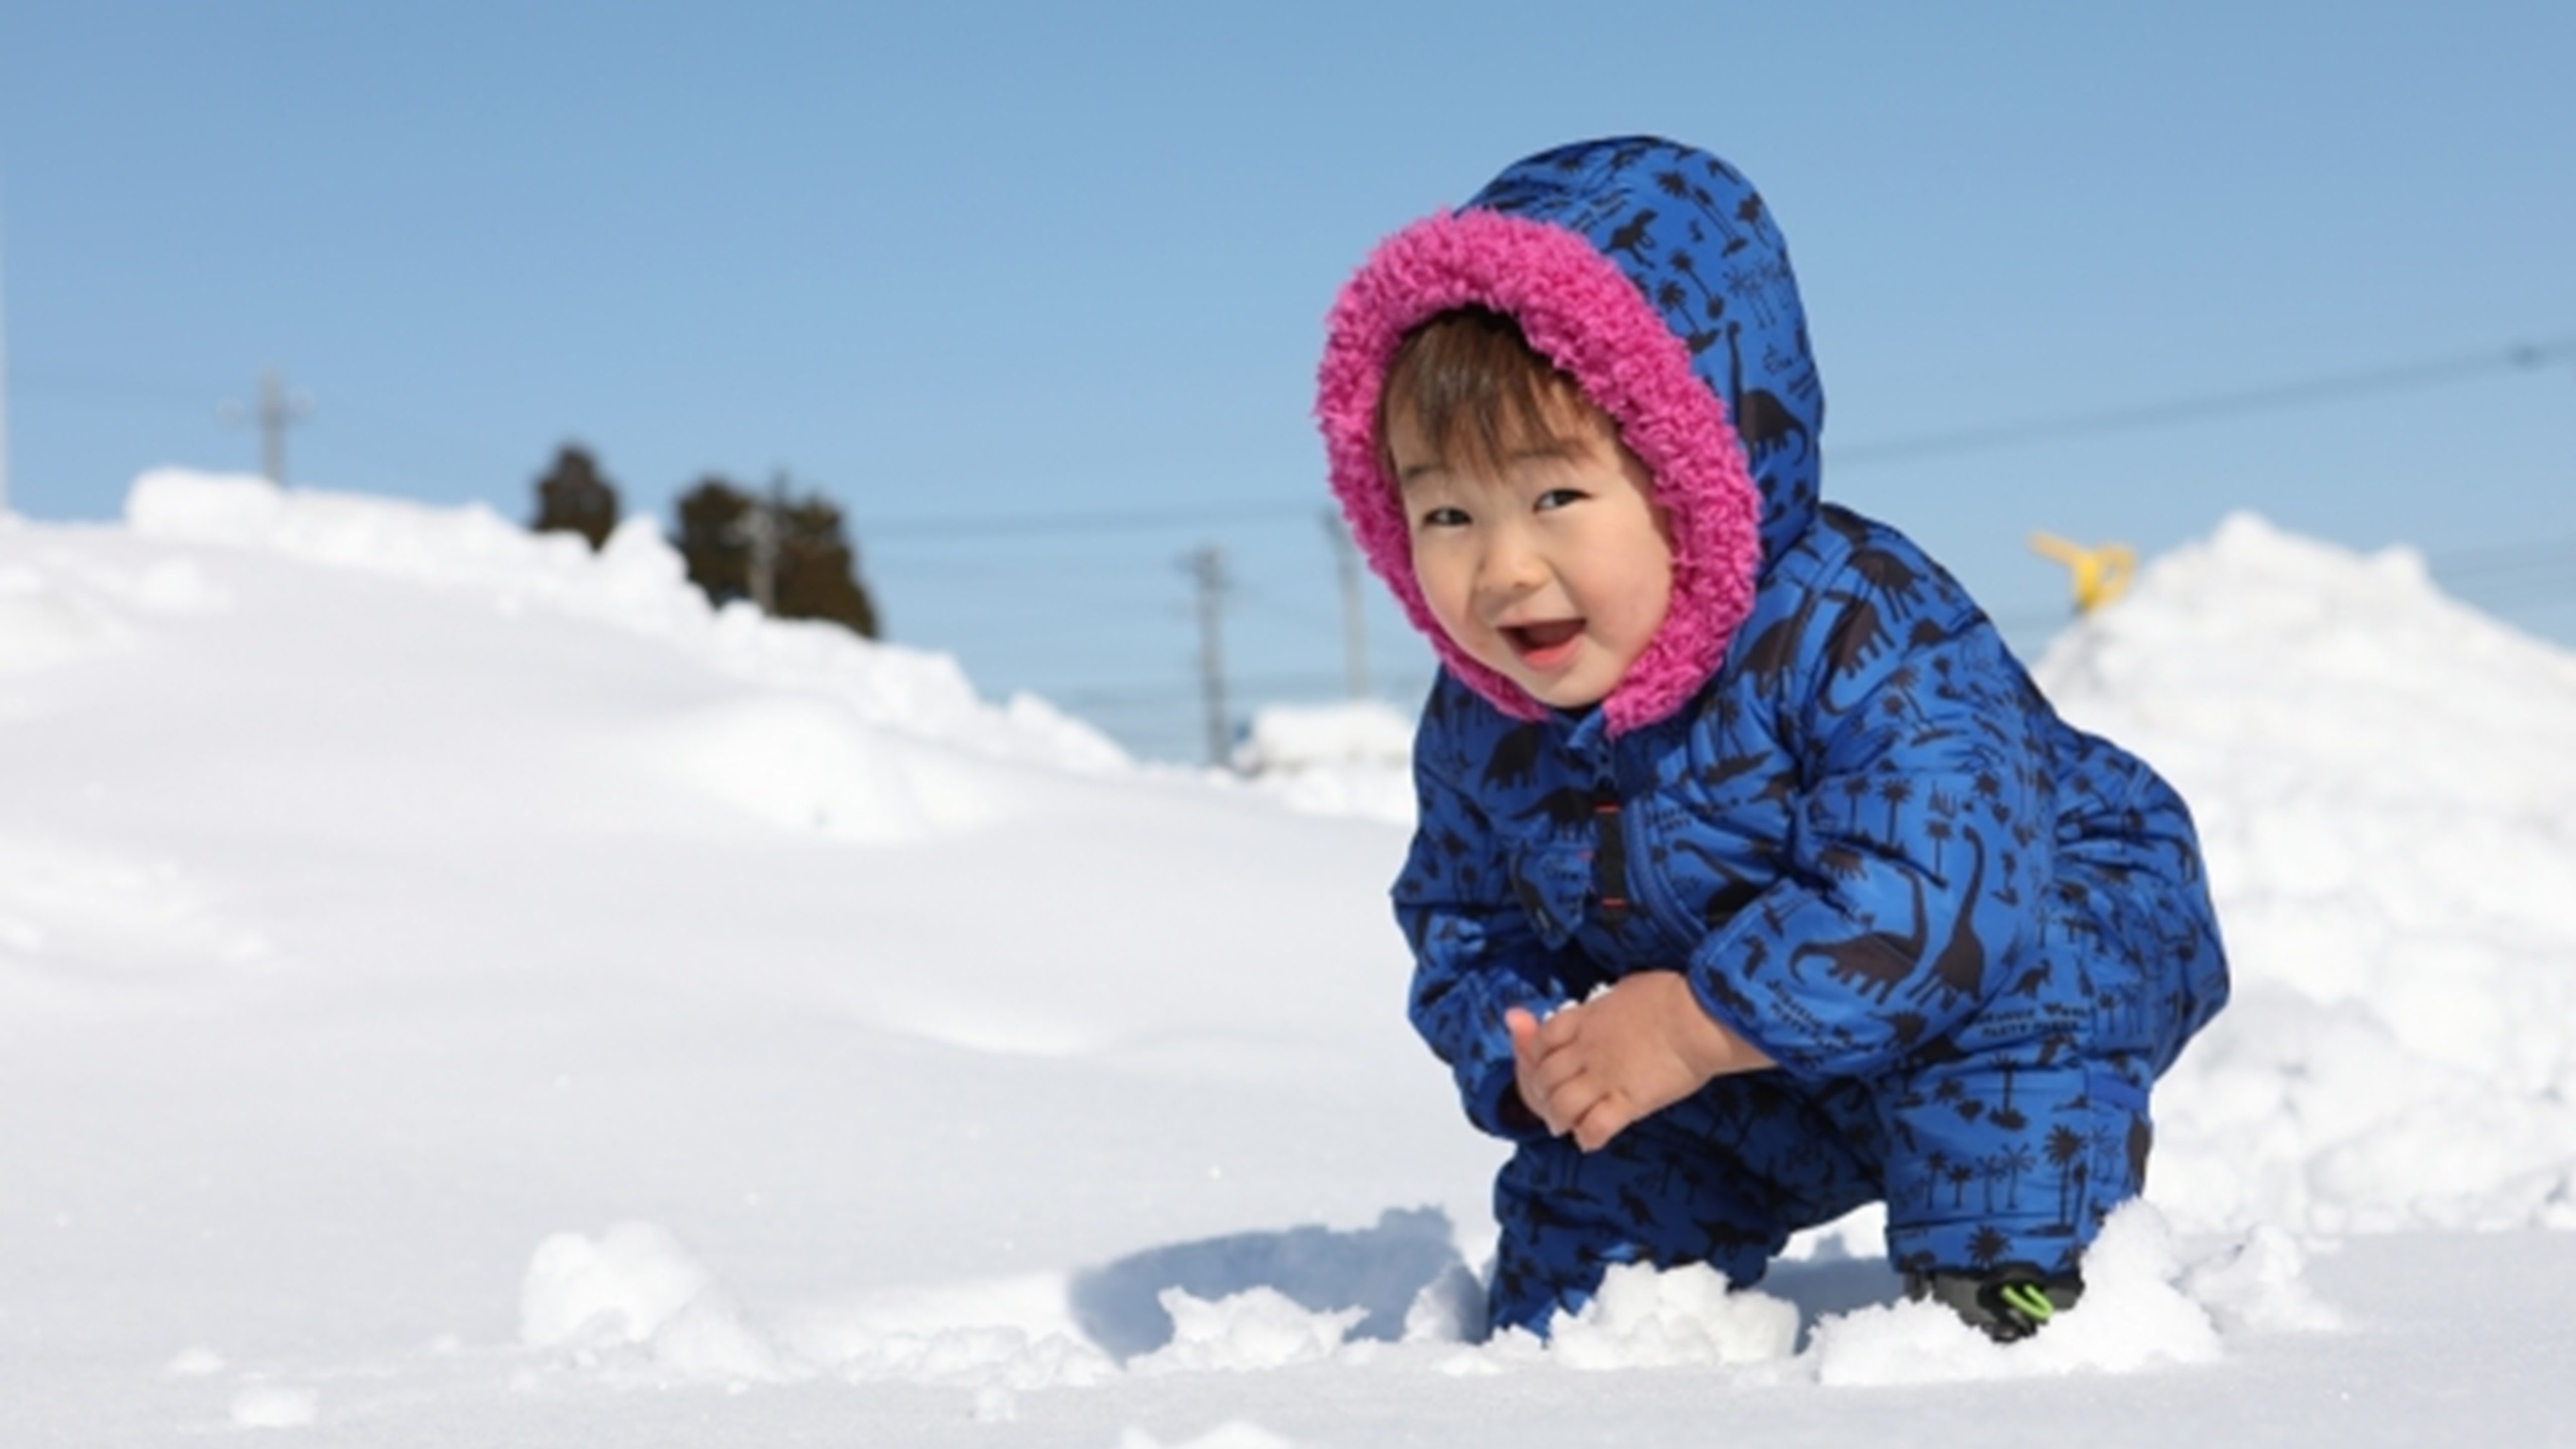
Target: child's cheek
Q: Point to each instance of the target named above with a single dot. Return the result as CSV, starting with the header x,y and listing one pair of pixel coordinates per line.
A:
x,y
1436,576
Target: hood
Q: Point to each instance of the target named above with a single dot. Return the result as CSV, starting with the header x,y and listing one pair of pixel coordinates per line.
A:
x,y
1652,275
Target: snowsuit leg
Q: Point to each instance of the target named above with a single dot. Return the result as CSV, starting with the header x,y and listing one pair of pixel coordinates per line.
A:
x,y
2034,1125
1721,1178
2007,1158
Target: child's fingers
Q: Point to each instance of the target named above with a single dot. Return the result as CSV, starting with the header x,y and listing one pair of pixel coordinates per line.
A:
x,y
1524,1029
1571,1097
1607,1117
1560,1029
1553,1071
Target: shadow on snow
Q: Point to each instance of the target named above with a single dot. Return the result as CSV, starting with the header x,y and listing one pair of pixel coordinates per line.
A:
x,y
1382,1269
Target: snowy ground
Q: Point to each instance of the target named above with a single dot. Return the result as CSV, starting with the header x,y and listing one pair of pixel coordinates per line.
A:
x,y
455,989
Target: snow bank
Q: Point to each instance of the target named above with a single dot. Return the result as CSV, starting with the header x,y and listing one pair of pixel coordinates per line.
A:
x,y
2384,781
1290,737
1350,758
417,946
637,582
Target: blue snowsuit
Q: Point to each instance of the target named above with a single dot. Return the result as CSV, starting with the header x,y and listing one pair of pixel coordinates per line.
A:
x,y
1970,935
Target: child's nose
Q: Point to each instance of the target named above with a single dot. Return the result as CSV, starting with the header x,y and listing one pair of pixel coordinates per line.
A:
x,y
1512,565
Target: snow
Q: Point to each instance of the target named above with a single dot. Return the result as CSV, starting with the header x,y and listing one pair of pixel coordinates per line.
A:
x,y
2384,783
266,1406
455,987
1352,758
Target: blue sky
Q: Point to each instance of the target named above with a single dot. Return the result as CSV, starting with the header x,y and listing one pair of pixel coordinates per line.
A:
x,y
1035,291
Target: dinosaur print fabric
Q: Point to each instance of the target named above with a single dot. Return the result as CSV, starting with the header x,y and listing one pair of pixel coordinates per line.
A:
x,y
1970,936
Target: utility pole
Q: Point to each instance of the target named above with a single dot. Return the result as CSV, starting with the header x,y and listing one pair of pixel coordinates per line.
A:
x,y
278,410
1207,566
1346,560
760,527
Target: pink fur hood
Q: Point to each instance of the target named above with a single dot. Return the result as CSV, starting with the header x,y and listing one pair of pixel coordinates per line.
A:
x,y
1613,257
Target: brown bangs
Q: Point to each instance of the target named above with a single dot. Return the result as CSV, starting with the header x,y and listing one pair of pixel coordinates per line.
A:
x,y
1477,390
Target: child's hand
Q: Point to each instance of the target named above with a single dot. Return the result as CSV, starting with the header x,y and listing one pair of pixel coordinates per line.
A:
x,y
1523,1025
1593,1069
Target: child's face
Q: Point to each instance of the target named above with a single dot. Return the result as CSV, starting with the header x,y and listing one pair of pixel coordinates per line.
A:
x,y
1554,572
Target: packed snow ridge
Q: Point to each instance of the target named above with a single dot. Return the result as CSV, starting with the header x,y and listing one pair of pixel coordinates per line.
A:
x,y
636,581
772,1010
2383,782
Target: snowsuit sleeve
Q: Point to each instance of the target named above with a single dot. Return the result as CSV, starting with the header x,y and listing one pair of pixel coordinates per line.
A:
x,y
1918,837
1475,953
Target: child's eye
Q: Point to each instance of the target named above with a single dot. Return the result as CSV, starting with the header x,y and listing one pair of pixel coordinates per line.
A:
x,y
1558,498
1444,517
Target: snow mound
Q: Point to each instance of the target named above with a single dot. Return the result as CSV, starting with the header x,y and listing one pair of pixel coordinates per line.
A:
x,y
1351,758
1259,1328
635,1303
2135,1314
1288,737
1642,1318
637,582
2383,781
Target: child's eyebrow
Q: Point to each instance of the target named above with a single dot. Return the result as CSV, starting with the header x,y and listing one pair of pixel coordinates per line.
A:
x,y
1552,450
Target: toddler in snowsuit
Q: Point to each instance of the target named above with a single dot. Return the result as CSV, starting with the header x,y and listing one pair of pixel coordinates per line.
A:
x,y
1754,880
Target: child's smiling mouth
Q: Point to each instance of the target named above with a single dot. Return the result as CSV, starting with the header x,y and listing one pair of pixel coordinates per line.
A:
x,y
1543,644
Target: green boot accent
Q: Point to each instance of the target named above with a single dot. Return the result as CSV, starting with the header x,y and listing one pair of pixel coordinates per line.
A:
x,y
2007,1304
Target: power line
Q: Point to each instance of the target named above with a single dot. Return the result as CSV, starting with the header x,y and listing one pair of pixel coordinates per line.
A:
x,y
2207,407
2510,576
1164,696
130,388
2246,402
1107,520
2490,558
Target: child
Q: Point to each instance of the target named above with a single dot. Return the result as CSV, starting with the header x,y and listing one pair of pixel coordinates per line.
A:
x,y
1754,880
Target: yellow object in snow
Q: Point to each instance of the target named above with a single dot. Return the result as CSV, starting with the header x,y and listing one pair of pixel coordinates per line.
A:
x,y
2100,574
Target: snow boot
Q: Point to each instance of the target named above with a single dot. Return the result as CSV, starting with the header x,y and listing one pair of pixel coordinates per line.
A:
x,y
2008,1304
